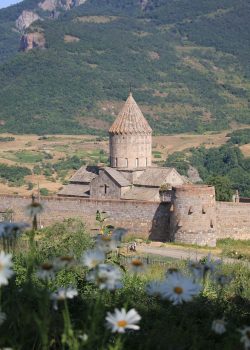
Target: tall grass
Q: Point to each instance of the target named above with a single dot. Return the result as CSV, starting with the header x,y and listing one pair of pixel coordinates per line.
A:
x,y
32,322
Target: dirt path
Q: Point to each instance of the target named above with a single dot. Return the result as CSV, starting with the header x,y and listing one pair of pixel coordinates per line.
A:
x,y
186,254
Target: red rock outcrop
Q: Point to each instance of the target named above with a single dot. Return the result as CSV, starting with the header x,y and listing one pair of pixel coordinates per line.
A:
x,y
31,40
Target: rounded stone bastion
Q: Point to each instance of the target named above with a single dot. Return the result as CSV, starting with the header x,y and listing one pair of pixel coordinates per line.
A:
x,y
193,215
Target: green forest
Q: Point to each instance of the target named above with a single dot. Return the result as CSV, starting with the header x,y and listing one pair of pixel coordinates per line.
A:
x,y
185,60
224,167
240,137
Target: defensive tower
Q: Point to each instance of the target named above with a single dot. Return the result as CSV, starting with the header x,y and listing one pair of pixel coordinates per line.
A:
x,y
130,138
193,215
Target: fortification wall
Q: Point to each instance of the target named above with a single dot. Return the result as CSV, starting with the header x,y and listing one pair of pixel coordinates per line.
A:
x,y
142,219
193,217
233,220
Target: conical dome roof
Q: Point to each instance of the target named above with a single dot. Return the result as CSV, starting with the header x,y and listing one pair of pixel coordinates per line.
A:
x,y
130,120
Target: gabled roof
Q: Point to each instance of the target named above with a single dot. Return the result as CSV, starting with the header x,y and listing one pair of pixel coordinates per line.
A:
x,y
117,177
83,176
74,190
156,177
130,120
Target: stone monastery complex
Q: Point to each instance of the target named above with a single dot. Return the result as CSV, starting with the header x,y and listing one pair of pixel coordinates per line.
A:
x,y
156,203
130,175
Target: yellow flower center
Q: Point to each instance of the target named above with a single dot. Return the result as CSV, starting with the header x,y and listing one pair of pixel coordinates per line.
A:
x,y
137,262
66,258
94,262
47,266
172,270
106,238
178,290
122,323
35,205
102,279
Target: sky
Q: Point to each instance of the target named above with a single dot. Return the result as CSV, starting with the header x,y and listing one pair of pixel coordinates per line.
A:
x,y
5,3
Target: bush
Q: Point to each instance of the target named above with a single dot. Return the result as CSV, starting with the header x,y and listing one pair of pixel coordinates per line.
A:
x,y
7,139
44,191
68,237
13,174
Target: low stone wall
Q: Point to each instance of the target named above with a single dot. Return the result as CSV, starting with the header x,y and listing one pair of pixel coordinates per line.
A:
x,y
142,219
233,220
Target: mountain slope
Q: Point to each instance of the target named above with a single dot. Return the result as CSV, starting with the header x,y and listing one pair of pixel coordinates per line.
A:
x,y
186,61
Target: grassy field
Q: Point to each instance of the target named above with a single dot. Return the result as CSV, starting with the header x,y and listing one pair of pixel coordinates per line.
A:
x,y
31,150
35,316
45,152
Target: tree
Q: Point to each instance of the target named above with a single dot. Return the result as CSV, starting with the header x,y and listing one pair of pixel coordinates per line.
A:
x,y
223,187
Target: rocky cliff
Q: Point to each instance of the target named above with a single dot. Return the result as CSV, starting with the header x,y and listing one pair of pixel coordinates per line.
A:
x,y
25,20
52,5
35,39
32,40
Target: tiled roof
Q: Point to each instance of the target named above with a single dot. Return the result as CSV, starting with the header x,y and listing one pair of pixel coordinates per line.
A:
x,y
117,176
83,175
130,120
74,190
156,177
142,193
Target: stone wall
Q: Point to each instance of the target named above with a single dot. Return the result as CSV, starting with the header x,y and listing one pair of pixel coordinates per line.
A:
x,y
233,220
142,219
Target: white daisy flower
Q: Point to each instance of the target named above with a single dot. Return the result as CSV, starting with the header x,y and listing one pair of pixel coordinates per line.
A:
x,y
154,288
222,280
8,229
5,268
121,320
178,288
171,271
106,276
210,265
46,271
2,317
62,294
64,261
118,234
34,208
137,265
219,326
92,258
197,269
245,339
106,243
83,337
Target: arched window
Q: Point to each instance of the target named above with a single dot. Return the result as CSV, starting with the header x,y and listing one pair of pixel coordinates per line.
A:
x,y
126,162
136,162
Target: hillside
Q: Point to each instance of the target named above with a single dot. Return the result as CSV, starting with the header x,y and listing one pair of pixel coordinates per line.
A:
x,y
187,62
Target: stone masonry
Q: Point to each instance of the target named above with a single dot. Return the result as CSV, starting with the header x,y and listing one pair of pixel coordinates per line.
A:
x,y
152,220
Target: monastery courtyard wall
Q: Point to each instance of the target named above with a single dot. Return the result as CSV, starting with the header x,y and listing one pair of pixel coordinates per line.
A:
x,y
142,219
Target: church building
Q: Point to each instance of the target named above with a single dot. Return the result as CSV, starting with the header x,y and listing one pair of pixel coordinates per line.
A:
x,y
131,174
